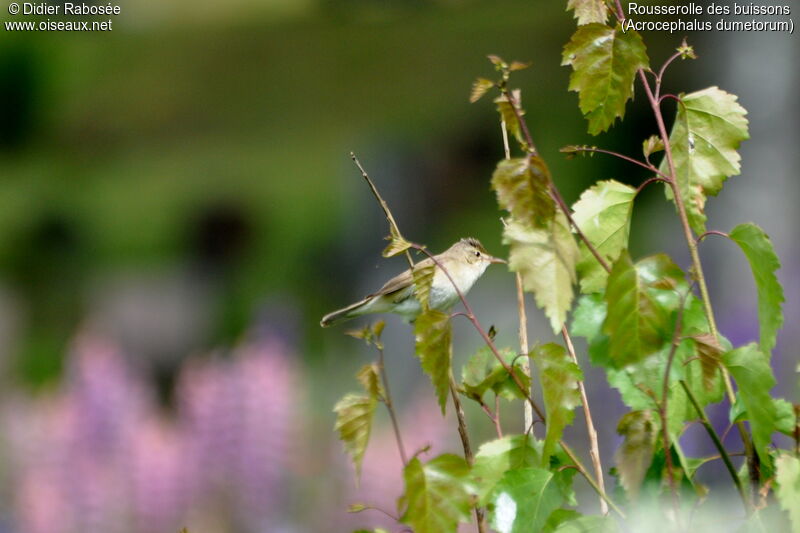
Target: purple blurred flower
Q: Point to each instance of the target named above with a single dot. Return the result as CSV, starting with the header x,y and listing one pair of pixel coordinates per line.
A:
x,y
100,456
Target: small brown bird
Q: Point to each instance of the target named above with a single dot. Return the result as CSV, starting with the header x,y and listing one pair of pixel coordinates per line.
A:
x,y
465,261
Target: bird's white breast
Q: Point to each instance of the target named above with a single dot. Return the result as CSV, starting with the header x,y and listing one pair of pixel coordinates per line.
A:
x,y
443,295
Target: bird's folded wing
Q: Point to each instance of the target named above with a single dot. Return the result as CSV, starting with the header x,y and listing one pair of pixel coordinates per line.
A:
x,y
401,281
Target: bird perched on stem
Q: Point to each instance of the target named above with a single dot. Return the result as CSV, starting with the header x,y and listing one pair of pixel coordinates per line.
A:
x,y
465,261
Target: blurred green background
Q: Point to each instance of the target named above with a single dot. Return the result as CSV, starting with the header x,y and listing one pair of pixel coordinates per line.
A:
x,y
184,180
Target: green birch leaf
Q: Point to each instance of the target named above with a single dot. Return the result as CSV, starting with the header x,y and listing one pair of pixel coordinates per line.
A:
x,y
523,500
369,377
652,145
370,334
479,88
787,419
523,189
640,431
604,62
545,258
483,372
603,213
509,116
589,315
496,457
434,347
589,524
709,351
512,452
354,415
588,11
750,368
437,494
636,323
757,247
423,279
709,126
788,490
641,384
559,376
397,245
558,517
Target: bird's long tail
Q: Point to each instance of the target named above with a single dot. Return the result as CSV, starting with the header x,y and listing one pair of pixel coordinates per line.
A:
x,y
344,314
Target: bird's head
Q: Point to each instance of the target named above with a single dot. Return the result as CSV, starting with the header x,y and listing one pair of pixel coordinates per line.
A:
x,y
471,251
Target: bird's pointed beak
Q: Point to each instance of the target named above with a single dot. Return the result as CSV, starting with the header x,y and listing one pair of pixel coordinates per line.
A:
x,y
497,260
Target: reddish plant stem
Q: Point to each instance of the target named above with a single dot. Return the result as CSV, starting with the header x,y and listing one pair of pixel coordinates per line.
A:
x,y
647,182
712,232
494,416
387,401
624,157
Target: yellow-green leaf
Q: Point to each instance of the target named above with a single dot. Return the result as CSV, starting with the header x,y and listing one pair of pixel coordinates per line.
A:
x,y
709,351
788,490
588,11
559,376
604,61
603,213
639,429
709,126
652,145
545,258
369,377
509,116
397,245
437,494
434,347
523,189
423,279
354,414
479,88
523,500
484,372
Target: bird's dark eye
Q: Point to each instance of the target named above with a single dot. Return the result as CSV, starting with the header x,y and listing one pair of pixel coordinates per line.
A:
x,y
477,254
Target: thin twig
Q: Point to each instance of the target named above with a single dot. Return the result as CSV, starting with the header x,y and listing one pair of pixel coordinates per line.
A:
x,y
494,416
666,64
387,401
712,232
464,435
647,182
523,346
394,229
594,449
717,443
624,157
497,425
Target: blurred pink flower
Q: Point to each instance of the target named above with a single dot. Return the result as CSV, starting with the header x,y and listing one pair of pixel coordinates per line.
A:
x,y
100,456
